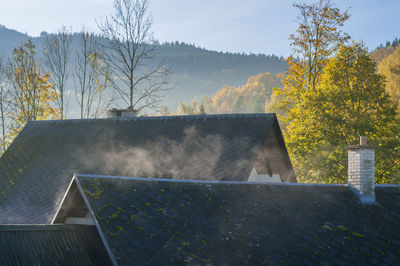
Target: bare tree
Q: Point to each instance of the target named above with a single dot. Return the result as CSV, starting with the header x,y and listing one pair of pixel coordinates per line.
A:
x,y
91,78
56,54
128,45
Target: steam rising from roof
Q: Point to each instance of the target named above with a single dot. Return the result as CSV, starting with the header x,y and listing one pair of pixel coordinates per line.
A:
x,y
195,156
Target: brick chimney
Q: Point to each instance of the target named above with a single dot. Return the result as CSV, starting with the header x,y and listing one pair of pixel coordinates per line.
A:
x,y
114,112
361,176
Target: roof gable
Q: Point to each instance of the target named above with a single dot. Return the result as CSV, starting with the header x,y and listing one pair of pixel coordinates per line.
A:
x,y
172,221
36,169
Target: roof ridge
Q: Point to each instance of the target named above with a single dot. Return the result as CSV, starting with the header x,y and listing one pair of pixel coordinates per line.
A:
x,y
205,181
161,118
387,185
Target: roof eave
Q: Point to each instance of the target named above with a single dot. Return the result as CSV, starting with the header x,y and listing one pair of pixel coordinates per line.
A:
x,y
99,230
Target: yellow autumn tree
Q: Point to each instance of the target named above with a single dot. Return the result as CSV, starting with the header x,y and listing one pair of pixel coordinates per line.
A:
x,y
316,39
350,101
32,96
290,95
328,102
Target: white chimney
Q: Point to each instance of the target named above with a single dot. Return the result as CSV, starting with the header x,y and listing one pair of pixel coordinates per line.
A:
x,y
114,112
361,176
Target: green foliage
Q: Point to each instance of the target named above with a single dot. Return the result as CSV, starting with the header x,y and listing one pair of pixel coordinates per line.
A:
x,y
350,101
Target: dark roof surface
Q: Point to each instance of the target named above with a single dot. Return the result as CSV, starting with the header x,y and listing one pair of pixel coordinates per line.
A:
x,y
173,222
37,167
51,245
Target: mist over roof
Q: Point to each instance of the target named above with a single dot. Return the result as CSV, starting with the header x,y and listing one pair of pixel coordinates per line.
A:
x,y
36,169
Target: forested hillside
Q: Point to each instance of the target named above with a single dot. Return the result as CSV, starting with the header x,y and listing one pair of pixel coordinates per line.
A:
x,y
389,66
256,94
199,72
384,50
252,97
196,72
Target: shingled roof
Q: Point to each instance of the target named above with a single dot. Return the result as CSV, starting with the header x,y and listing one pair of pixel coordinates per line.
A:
x,y
36,169
51,245
148,221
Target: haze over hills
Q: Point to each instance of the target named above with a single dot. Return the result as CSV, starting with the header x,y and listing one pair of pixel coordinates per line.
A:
x,y
196,72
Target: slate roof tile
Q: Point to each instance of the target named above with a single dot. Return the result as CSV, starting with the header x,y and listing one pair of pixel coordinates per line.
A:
x,y
36,169
51,245
232,223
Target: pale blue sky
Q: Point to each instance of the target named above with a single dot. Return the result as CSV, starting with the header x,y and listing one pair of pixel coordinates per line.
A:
x,y
258,26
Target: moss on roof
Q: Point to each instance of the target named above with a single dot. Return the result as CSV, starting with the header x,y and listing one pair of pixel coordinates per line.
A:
x,y
171,222
36,169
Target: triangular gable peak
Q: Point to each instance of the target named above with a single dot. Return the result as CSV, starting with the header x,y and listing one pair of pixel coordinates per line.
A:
x,y
75,209
272,162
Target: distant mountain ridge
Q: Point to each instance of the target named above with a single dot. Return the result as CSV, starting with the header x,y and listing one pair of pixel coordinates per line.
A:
x,y
196,72
9,39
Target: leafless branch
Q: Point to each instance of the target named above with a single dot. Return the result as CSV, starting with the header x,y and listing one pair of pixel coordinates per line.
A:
x,y
57,51
127,49
91,78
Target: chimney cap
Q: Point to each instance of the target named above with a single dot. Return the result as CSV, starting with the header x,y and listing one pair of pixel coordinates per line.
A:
x,y
121,113
363,145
